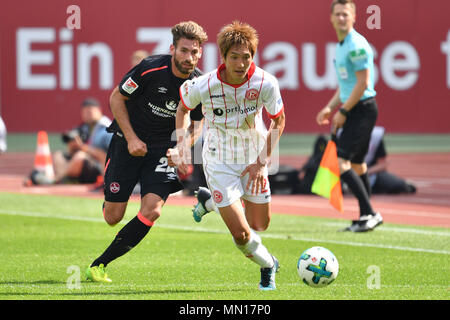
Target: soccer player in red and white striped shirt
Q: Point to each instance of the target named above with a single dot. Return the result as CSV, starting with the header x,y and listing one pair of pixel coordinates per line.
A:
x,y
237,145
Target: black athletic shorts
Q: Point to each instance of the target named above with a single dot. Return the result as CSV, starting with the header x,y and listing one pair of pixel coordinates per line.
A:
x,y
123,171
353,143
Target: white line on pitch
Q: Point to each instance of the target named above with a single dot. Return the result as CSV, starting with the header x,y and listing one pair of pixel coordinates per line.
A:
x,y
200,229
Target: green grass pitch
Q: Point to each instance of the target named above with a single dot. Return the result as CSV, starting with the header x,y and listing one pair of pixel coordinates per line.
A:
x,y
48,241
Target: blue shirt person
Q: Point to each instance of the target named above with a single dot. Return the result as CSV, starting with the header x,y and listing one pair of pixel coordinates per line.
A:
x,y
358,110
354,54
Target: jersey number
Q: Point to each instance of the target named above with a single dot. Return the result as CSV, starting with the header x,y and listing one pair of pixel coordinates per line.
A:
x,y
163,166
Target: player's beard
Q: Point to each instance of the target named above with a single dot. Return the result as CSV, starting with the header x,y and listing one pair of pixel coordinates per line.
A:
x,y
183,69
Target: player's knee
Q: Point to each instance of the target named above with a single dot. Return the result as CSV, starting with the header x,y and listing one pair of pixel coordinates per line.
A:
x,y
241,237
111,220
260,225
151,215
112,214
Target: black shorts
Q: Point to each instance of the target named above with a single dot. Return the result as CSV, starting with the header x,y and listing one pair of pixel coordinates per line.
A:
x,y
123,172
353,143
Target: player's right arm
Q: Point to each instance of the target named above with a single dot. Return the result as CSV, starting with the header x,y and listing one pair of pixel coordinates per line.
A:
x,y
178,156
189,99
323,116
136,147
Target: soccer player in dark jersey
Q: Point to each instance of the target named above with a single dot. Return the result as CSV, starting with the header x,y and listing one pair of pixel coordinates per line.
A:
x,y
144,107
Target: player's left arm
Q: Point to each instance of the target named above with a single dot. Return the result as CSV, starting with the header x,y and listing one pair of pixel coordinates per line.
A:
x,y
273,137
256,170
195,130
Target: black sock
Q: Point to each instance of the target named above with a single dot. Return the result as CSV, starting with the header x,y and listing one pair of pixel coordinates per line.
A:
x,y
127,238
365,180
355,184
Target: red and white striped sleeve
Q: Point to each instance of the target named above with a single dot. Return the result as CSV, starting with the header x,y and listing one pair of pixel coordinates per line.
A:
x,y
189,94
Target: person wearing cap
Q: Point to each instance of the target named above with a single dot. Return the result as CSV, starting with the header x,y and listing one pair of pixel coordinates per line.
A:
x,y
87,145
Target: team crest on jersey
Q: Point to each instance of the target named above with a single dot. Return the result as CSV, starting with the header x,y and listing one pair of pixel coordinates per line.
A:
x,y
252,94
114,187
171,105
218,197
129,86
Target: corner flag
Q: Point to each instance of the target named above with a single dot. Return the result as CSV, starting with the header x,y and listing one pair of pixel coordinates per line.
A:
x,y
327,181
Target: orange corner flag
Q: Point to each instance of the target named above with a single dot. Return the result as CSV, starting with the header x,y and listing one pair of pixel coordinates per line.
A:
x,y
43,159
327,181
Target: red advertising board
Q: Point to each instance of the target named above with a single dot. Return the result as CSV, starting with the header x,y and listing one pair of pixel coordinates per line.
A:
x,y
54,54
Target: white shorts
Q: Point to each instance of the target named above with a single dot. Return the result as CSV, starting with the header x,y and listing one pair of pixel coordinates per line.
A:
x,y
227,185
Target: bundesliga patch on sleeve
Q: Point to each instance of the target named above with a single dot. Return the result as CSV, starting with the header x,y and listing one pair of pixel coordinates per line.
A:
x,y
187,87
358,55
129,86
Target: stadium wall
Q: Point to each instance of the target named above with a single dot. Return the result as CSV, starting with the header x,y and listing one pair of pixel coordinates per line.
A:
x,y
47,69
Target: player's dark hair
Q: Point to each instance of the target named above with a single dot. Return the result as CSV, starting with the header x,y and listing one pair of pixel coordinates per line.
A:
x,y
344,2
189,30
237,33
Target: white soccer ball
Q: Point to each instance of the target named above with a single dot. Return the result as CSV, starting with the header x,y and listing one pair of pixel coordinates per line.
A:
x,y
317,267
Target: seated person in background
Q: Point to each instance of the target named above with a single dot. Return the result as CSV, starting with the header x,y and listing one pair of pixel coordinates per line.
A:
x,y
307,172
87,145
382,181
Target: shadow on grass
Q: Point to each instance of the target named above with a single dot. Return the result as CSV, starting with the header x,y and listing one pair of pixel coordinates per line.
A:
x,y
87,289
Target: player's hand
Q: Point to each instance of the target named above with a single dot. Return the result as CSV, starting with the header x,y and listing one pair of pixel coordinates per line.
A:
x,y
173,156
256,177
337,122
178,158
137,148
323,116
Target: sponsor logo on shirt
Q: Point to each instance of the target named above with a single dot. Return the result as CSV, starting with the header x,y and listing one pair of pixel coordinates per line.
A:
x,y
219,112
357,55
217,96
163,112
171,105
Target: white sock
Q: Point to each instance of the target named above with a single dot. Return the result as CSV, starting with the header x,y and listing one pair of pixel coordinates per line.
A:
x,y
211,205
256,251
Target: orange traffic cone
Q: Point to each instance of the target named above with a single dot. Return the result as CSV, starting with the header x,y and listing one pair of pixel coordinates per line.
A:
x,y
43,164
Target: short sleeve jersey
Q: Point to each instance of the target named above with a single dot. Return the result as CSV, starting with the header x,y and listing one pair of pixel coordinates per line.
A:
x,y
154,96
234,126
353,54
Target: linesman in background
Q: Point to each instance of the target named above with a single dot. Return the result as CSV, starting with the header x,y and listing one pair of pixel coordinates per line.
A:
x,y
357,113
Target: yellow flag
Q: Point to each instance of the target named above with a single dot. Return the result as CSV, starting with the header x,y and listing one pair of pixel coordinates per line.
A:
x,y
327,181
